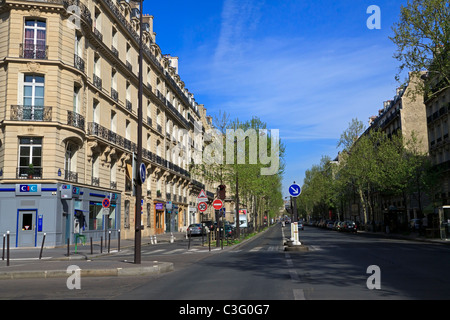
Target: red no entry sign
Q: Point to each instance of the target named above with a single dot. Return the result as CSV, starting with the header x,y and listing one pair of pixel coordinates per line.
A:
x,y
217,204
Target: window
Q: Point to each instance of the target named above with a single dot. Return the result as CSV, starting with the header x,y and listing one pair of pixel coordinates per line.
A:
x,y
148,215
33,97
127,214
76,99
30,157
34,39
95,216
95,112
70,163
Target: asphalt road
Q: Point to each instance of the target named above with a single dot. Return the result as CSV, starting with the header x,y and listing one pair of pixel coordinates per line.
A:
x,y
335,267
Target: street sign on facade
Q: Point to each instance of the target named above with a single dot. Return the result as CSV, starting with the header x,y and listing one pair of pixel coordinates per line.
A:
x,y
202,206
217,204
295,190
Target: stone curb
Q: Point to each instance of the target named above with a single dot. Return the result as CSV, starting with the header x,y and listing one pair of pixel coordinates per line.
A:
x,y
161,267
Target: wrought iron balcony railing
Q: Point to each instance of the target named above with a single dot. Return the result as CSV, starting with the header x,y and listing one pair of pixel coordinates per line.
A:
x,y
114,95
75,120
29,173
70,176
78,63
97,82
31,113
33,51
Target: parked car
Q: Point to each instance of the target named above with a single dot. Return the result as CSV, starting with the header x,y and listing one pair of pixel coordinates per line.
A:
x,y
335,225
228,230
414,224
330,224
300,226
209,225
350,226
340,226
196,229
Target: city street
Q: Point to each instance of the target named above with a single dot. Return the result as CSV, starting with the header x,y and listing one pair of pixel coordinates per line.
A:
x,y
335,267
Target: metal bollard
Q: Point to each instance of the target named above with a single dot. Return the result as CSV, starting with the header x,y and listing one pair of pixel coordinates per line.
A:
x,y
7,248
42,246
109,241
92,248
118,241
3,252
189,236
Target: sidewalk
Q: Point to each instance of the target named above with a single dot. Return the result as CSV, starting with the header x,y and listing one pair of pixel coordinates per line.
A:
x,y
25,262
413,236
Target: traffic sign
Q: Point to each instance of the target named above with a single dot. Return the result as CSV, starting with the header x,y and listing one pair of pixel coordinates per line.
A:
x,y
217,204
295,190
106,203
202,197
142,172
202,206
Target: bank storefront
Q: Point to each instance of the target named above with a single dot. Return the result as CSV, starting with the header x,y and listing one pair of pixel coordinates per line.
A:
x,y
28,210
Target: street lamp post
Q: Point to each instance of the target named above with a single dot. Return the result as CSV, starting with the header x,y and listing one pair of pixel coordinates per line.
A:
x,y
137,235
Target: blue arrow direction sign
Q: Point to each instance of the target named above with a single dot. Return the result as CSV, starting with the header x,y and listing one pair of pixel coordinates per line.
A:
x,y
142,172
295,190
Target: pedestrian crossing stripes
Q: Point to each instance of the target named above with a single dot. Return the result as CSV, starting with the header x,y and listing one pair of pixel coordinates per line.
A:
x,y
170,251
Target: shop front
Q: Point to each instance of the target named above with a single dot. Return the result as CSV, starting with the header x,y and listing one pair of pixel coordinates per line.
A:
x,y
159,217
29,210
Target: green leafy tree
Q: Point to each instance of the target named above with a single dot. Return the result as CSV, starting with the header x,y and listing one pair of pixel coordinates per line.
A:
x,y
422,37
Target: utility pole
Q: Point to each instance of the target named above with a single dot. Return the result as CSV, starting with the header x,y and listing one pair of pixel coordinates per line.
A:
x,y
238,223
137,235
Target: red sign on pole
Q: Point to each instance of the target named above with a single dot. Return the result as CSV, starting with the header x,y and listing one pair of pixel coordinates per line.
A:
x,y
105,203
217,204
202,206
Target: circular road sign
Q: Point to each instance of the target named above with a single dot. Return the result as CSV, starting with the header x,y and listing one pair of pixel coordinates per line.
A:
x,y
217,204
202,206
106,203
295,190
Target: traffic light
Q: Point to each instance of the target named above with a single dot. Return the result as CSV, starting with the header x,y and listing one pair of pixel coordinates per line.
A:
x,y
221,192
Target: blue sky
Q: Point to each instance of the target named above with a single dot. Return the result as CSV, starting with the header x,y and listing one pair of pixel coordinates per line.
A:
x,y
304,67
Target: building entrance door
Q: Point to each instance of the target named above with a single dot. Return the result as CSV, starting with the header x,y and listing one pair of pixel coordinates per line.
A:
x,y
26,229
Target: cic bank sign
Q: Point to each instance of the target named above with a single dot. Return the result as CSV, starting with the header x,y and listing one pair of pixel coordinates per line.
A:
x,y
28,189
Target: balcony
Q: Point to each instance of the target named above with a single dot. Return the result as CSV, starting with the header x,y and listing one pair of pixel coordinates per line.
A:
x,y
78,63
33,51
75,120
29,173
98,34
70,176
31,113
115,51
129,105
97,130
135,13
97,82
96,181
129,66
114,95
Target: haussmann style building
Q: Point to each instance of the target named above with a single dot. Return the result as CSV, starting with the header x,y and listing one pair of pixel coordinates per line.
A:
x,y
68,117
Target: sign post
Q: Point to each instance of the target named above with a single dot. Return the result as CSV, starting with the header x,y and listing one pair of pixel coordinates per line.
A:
x,y
295,191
